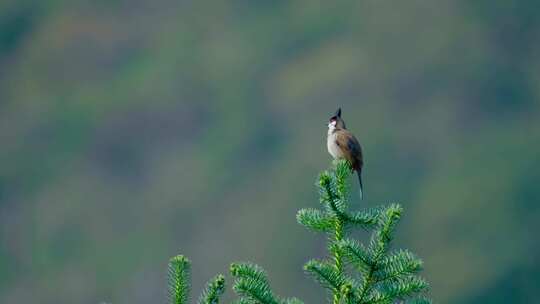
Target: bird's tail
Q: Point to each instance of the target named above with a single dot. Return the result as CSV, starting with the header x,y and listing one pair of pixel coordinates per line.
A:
x,y
360,182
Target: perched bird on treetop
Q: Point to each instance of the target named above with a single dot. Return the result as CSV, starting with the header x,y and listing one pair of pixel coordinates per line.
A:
x,y
342,144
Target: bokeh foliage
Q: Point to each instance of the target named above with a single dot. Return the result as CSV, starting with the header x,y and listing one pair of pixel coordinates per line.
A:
x,y
123,123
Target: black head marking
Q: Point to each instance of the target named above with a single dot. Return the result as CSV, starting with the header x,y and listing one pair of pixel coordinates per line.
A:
x,y
336,116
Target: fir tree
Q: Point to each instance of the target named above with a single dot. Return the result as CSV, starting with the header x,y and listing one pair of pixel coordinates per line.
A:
x,y
375,274
353,273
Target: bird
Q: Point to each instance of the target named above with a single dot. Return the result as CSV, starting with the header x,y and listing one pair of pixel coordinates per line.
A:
x,y
342,144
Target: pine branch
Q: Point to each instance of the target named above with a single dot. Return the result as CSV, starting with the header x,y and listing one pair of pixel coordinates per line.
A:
x,y
397,264
179,279
402,287
242,301
252,283
333,188
248,270
326,274
357,254
349,292
214,289
383,234
315,220
379,245
257,291
339,233
328,190
342,173
364,219
376,297
292,301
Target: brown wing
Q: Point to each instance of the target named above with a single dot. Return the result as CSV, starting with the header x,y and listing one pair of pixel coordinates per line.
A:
x,y
351,148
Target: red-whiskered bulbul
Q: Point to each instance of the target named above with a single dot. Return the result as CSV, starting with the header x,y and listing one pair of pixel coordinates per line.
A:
x,y
342,144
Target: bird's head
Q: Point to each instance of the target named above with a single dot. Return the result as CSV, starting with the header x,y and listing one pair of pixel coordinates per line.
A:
x,y
335,122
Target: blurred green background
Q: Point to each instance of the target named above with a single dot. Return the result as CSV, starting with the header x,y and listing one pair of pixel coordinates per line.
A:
x,y
131,131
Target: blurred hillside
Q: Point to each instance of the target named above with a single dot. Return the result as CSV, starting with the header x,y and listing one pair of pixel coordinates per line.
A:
x,y
131,131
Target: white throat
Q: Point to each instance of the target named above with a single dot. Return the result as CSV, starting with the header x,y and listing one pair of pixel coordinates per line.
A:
x,y
331,127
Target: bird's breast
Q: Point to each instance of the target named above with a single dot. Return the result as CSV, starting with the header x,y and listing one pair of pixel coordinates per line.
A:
x,y
332,146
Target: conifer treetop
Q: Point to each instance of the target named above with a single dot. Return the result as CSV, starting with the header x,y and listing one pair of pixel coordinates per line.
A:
x,y
352,272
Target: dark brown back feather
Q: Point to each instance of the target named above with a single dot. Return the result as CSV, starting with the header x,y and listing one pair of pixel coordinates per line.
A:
x,y
351,148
